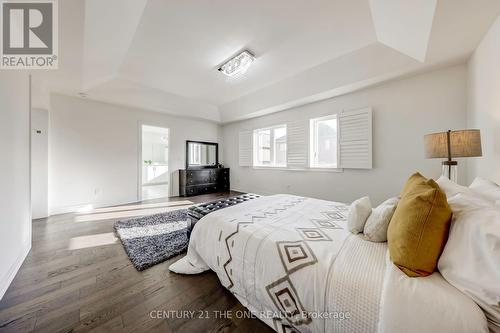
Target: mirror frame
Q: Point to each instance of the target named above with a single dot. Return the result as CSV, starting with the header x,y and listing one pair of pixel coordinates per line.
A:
x,y
204,166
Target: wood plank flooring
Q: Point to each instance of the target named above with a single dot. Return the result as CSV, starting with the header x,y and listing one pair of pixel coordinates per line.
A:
x,y
75,281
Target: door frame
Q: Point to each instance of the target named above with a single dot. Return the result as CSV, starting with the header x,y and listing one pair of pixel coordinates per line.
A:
x,y
140,126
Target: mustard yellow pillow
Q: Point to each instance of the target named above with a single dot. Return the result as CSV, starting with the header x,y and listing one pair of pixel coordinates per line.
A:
x,y
414,180
419,227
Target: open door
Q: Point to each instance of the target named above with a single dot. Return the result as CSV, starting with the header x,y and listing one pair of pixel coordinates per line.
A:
x,y
154,172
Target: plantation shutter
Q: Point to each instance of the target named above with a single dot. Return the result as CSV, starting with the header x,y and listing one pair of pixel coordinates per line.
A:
x,y
355,139
297,144
245,148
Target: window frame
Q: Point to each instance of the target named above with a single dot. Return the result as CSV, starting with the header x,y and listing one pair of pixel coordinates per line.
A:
x,y
313,143
272,148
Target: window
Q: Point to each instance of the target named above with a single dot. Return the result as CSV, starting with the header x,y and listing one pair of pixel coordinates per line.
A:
x,y
332,143
270,146
323,152
195,152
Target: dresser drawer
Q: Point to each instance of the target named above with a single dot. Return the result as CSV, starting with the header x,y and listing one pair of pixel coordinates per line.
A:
x,y
201,189
201,177
202,181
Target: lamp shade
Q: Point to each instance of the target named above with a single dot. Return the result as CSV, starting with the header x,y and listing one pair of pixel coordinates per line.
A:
x,y
463,143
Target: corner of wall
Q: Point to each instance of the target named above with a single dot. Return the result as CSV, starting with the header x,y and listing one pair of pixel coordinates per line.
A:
x,y
11,273
483,102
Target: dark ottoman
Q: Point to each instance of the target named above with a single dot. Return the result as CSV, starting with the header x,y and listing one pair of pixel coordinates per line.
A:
x,y
197,212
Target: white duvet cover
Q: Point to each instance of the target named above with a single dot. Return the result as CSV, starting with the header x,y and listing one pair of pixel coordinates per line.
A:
x,y
291,261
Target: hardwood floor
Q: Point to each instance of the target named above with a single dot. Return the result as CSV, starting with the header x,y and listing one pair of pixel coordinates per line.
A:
x,y
75,281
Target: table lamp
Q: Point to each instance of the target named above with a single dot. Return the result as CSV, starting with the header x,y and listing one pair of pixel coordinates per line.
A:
x,y
451,144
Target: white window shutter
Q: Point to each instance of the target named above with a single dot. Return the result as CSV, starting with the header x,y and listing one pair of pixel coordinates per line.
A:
x,y
297,145
245,148
355,139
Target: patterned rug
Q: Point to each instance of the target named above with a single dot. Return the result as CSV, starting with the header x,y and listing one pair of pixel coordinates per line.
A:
x,y
152,239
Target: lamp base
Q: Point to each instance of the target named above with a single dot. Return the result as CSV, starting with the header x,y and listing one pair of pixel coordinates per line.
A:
x,y
450,170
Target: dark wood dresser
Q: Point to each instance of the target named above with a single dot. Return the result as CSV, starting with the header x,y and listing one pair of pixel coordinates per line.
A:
x,y
203,181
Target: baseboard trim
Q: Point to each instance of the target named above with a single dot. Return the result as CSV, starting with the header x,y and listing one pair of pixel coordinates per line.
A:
x,y
238,190
77,208
254,192
11,274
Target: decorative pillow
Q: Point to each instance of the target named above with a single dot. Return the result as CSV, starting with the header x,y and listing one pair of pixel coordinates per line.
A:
x,y
468,201
419,227
425,305
378,221
471,258
451,188
358,213
486,188
414,179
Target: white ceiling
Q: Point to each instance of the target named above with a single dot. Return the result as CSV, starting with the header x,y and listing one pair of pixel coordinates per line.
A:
x,y
404,25
188,40
108,32
163,55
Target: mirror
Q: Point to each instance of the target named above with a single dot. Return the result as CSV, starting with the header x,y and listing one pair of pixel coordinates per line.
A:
x,y
201,155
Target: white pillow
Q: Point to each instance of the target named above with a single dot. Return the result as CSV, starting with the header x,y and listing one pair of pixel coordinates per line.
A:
x,y
486,188
451,188
358,213
378,221
471,258
468,201
426,304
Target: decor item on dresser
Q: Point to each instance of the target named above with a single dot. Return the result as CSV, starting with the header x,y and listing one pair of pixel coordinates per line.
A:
x,y
203,181
195,213
462,143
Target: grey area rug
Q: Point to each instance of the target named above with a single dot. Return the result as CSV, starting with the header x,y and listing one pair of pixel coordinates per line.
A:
x,y
152,239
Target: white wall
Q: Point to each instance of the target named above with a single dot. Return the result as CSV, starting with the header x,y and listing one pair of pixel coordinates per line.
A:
x,y
484,104
39,163
15,210
93,150
404,111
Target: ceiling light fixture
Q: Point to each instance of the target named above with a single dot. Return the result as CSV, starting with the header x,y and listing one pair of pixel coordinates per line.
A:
x,y
237,64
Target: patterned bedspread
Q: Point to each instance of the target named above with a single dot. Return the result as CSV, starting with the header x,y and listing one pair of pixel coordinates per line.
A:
x,y
278,255
291,262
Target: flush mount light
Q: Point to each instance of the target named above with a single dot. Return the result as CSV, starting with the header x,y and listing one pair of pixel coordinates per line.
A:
x,y
237,64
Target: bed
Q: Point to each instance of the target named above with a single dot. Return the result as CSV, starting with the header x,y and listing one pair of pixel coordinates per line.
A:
x,y
291,261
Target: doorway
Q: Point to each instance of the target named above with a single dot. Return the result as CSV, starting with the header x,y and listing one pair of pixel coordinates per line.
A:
x,y
154,175
39,163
